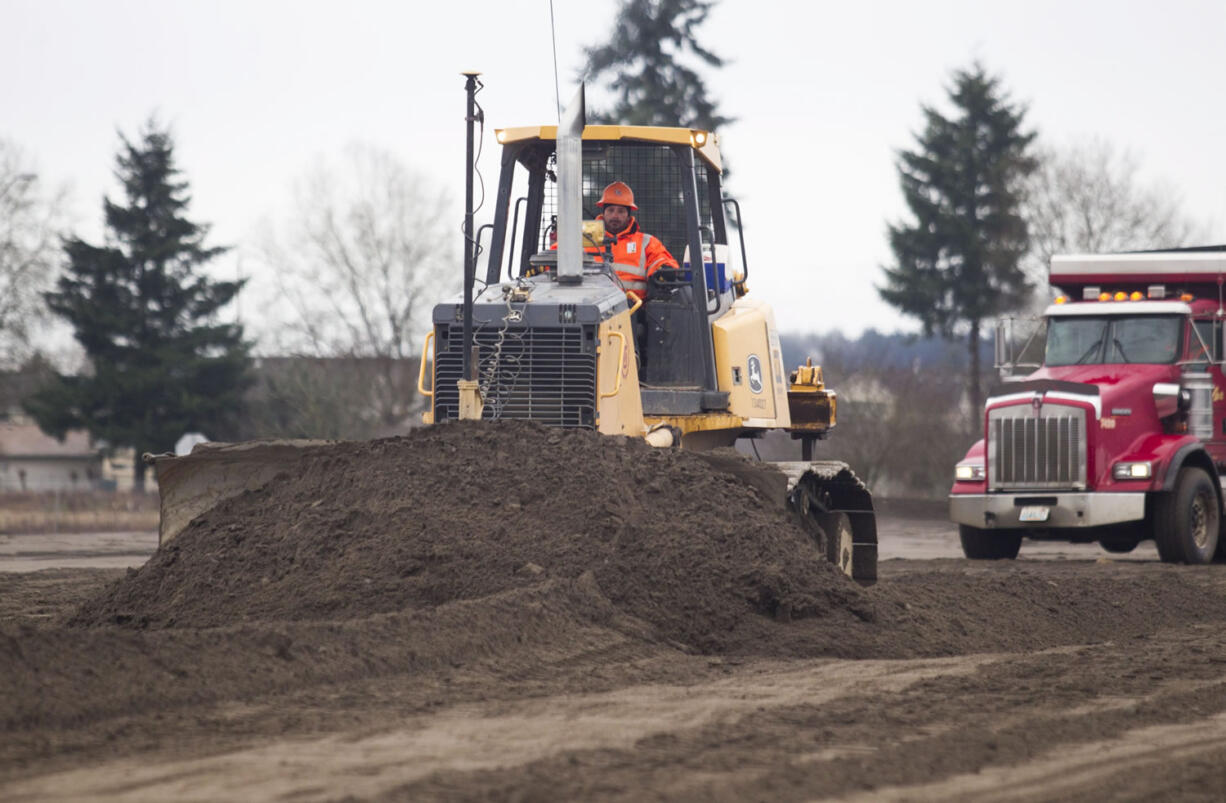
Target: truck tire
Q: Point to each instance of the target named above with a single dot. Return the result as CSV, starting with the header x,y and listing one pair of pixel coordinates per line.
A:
x,y
1186,520
980,544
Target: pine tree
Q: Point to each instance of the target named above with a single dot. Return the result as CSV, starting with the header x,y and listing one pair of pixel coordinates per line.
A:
x,y
959,263
161,364
643,63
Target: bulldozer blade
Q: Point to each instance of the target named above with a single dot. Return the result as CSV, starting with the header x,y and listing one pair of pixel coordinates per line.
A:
x,y
190,485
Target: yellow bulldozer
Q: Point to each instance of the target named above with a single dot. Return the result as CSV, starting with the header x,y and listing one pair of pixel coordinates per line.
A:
x,y
550,332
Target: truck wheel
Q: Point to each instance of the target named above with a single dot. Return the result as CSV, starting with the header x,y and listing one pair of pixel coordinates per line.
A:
x,y
980,544
1186,519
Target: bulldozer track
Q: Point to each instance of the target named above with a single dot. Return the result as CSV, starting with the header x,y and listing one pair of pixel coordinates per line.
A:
x,y
838,510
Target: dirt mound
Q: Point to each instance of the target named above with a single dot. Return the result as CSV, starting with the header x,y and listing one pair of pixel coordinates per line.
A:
x,y
682,544
50,676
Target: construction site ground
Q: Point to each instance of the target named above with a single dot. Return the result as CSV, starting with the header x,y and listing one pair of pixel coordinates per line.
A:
x,y
276,656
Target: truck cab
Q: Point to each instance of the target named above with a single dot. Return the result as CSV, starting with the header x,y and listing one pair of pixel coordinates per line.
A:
x,y
1120,434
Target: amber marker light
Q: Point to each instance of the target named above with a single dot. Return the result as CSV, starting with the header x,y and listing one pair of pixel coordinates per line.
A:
x,y
1137,295
1104,296
1186,297
1061,299
1121,296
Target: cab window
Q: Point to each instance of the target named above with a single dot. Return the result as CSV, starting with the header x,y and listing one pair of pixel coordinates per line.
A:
x,y
1113,340
1210,336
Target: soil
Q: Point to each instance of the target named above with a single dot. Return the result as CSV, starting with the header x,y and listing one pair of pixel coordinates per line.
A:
x,y
412,619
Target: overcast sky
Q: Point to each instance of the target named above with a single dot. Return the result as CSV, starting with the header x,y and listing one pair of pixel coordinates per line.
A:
x,y
825,95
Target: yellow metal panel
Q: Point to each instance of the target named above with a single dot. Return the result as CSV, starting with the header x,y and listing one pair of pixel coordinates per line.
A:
x,y
698,422
709,150
779,377
703,430
749,364
619,407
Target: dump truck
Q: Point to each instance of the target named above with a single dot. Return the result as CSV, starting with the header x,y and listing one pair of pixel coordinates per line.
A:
x,y
1119,434
546,331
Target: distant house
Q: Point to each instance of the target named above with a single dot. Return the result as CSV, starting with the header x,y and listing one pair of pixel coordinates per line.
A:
x,y
117,471
33,461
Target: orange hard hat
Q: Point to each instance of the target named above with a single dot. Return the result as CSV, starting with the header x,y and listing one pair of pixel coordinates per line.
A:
x,y
618,193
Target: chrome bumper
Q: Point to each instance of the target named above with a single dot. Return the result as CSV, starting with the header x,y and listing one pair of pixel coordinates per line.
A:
x,y
1002,510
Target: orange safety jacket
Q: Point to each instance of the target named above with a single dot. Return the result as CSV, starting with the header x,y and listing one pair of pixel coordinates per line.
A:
x,y
636,255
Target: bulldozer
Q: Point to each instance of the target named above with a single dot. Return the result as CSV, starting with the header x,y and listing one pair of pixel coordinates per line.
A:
x,y
550,332
553,335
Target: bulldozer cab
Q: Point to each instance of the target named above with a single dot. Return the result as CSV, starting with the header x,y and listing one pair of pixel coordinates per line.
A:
x,y
675,175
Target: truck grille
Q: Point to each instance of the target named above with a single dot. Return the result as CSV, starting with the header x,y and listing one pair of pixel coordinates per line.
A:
x,y
1026,450
540,374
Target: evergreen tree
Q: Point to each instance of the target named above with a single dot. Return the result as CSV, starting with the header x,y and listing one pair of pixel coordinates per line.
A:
x,y
161,363
643,64
959,263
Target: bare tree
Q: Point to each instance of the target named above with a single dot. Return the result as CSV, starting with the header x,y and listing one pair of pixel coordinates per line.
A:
x,y
367,252
313,397
899,425
29,252
1088,198
902,424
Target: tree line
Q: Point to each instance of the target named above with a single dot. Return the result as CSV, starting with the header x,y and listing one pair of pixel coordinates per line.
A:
x,y
366,252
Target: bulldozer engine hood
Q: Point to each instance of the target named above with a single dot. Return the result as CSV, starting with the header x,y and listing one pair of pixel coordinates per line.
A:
x,y
543,303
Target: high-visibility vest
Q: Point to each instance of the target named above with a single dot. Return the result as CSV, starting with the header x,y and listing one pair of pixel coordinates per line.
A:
x,y
635,255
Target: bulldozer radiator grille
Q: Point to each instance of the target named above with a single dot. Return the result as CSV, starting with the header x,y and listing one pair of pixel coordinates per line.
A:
x,y
1026,450
541,374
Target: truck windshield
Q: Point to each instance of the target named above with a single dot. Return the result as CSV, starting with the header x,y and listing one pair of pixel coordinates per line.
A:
x,y
1141,338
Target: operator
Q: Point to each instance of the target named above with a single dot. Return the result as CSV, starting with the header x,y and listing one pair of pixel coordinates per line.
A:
x,y
635,254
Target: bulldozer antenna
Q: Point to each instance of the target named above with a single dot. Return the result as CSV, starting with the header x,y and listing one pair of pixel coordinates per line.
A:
x,y
470,256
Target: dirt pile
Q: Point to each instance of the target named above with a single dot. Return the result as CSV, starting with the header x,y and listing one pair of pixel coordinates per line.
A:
x,y
695,553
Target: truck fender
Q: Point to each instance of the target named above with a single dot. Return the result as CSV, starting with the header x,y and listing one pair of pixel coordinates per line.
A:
x,y
978,449
1192,454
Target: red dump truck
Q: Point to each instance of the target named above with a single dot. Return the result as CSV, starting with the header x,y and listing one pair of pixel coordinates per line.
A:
x,y
1120,434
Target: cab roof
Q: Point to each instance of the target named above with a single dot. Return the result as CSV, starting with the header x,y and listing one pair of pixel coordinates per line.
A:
x,y
704,143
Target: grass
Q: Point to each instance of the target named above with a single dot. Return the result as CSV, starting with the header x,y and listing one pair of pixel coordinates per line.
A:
x,y
91,511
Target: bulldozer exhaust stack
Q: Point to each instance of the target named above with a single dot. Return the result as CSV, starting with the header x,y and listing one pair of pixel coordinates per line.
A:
x,y
570,189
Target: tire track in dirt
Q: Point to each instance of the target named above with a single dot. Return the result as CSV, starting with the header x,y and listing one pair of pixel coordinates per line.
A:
x,y
466,738
1067,772
1007,713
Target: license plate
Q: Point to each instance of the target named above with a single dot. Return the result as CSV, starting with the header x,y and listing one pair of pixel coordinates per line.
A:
x,y
1034,513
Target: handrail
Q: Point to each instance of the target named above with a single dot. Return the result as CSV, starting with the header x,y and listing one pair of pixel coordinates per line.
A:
x,y
621,361
514,234
421,373
638,302
478,250
740,231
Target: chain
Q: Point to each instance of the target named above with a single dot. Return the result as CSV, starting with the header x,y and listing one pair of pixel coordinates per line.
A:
x,y
490,374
